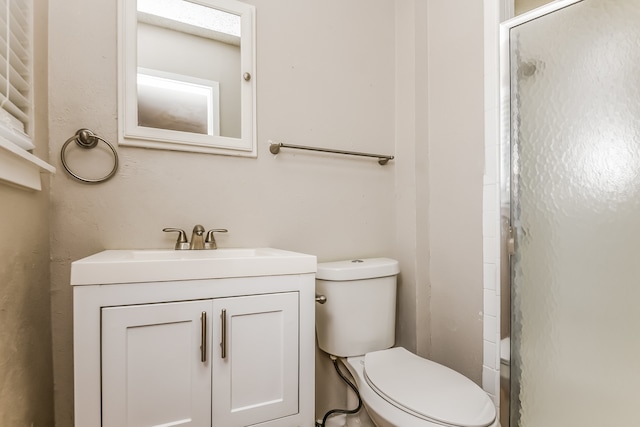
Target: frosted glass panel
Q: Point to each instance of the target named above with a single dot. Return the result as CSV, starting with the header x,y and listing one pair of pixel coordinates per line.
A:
x,y
575,129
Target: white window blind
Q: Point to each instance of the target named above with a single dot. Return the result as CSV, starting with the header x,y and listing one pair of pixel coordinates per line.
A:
x,y
16,62
18,166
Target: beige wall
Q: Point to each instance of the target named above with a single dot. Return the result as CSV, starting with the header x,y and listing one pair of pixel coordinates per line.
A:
x,y
440,131
26,377
26,387
400,77
456,156
325,78
412,180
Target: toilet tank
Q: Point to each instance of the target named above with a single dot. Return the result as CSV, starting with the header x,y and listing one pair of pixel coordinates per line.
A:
x,y
360,311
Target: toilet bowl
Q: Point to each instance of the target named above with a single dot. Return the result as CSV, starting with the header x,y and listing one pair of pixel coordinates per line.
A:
x,y
397,387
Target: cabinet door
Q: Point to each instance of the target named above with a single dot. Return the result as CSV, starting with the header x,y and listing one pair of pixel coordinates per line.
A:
x,y
255,369
154,372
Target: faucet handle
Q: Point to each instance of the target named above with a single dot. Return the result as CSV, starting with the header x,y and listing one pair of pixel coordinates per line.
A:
x,y
182,242
210,240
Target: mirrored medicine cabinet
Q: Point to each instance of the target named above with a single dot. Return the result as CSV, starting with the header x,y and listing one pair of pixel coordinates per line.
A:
x,y
187,75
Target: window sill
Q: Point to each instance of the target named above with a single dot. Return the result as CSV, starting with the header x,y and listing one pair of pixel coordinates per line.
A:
x,y
21,168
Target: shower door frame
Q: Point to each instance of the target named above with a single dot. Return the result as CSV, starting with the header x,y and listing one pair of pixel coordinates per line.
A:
x,y
507,381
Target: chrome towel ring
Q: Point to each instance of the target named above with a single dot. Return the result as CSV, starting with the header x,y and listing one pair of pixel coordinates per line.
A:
x,y
87,139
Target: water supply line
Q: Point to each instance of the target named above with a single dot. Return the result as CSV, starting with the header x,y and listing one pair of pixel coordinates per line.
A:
x,y
321,423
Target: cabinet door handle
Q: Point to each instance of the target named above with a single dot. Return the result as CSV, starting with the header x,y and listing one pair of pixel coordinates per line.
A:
x,y
203,337
223,340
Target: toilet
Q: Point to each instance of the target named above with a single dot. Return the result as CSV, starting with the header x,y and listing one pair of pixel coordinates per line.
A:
x,y
398,388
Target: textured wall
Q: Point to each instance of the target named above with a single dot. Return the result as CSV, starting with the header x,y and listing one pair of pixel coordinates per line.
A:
x,y
386,76
26,392
26,377
456,154
439,117
325,78
412,180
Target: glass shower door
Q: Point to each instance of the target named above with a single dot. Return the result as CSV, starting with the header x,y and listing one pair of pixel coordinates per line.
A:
x,y
575,212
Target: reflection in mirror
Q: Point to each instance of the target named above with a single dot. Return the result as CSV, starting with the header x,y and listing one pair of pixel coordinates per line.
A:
x,y
187,78
175,102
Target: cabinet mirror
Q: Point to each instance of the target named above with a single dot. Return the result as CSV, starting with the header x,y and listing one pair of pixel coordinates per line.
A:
x,y
187,75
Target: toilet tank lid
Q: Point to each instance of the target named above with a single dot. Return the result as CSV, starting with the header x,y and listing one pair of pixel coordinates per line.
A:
x,y
357,269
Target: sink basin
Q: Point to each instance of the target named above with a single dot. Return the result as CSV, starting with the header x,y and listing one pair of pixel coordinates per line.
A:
x,y
130,266
149,254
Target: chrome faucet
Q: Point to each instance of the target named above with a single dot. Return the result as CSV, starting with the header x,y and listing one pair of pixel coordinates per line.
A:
x,y
198,238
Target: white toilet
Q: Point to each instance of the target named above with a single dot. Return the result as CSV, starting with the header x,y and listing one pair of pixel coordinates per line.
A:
x,y
398,388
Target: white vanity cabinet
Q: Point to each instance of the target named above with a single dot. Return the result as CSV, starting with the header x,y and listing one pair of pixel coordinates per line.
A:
x,y
255,358
232,351
155,357
150,368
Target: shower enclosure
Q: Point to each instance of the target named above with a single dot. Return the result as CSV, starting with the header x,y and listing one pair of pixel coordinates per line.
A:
x,y
571,207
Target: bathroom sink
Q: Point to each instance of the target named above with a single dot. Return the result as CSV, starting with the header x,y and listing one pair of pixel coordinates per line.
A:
x,y
150,254
130,266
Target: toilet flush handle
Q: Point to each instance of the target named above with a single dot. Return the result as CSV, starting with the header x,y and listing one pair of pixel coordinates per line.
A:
x,y
321,299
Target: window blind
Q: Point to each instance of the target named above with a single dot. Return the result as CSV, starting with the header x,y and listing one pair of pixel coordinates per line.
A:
x,y
16,62
18,166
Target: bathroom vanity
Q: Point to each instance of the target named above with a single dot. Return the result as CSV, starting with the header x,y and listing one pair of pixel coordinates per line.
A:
x,y
194,338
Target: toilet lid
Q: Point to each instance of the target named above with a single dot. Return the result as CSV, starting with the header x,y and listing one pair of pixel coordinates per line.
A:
x,y
427,389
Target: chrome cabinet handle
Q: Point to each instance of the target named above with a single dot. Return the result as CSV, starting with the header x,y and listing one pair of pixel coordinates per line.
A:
x,y
203,337
223,340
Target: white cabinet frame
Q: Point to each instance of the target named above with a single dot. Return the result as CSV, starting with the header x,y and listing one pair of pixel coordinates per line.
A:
x,y
89,299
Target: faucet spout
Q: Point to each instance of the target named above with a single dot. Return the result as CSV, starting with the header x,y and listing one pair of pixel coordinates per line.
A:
x,y
197,237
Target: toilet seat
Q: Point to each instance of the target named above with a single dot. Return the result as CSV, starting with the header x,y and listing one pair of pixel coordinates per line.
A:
x,y
427,390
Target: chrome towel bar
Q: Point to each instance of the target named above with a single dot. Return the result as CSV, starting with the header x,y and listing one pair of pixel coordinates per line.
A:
x,y
275,147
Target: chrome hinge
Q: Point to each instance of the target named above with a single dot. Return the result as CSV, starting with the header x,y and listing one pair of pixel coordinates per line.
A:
x,y
511,242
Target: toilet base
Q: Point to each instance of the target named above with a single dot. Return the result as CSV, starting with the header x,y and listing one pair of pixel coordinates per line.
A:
x,y
381,412
367,417
360,419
